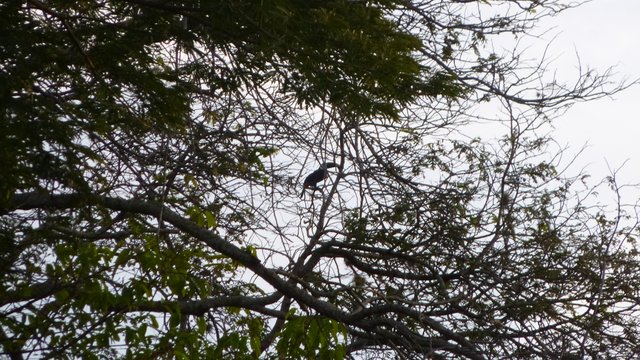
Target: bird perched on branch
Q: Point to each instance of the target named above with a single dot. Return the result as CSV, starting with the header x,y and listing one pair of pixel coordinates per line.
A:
x,y
311,181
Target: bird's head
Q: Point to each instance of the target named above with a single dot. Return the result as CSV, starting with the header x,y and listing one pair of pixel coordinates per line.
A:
x,y
328,165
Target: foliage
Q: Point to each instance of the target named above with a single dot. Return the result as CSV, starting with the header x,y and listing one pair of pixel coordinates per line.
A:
x,y
152,156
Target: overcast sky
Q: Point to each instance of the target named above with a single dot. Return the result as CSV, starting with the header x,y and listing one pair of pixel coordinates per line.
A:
x,y
604,33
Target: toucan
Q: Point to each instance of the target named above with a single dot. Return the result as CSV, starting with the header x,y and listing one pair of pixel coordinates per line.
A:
x,y
311,181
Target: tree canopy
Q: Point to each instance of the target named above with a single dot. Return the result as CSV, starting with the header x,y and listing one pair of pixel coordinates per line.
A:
x,y
153,153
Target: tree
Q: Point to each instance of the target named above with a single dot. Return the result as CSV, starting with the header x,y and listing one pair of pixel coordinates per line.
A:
x,y
154,151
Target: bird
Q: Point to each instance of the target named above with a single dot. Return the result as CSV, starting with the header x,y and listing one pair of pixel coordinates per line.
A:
x,y
311,181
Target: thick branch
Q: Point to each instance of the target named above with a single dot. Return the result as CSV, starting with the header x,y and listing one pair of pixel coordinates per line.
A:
x,y
199,307
34,200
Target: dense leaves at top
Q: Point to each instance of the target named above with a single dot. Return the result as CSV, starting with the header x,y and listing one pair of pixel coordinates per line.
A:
x,y
100,66
152,155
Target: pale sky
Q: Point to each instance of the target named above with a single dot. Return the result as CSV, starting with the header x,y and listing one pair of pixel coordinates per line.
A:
x,y
603,33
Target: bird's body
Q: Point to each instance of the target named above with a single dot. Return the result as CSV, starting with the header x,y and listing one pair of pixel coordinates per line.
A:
x,y
311,181
315,177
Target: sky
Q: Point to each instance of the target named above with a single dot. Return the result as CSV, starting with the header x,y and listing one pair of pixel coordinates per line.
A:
x,y
603,33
